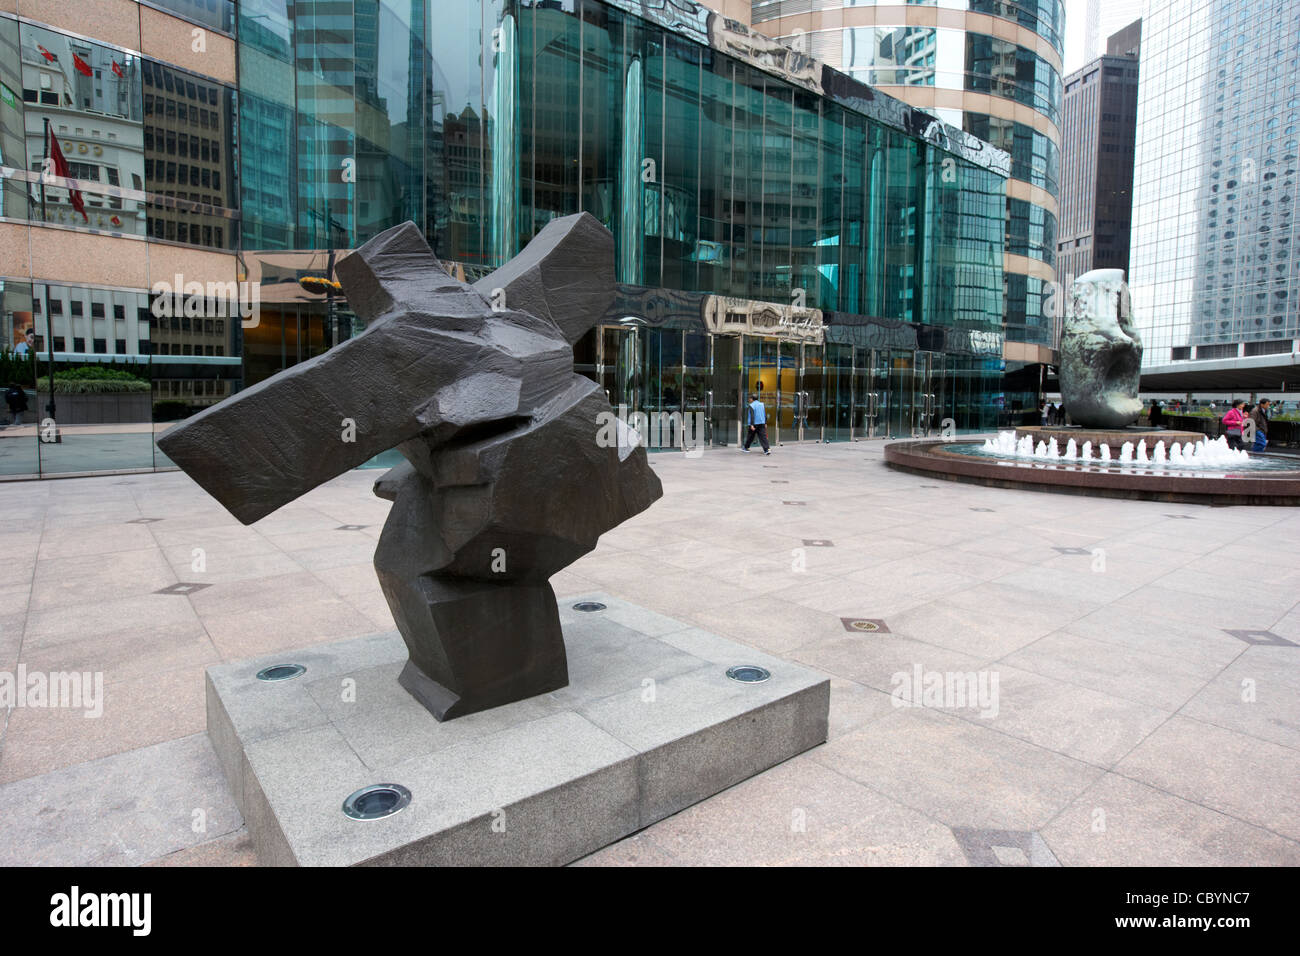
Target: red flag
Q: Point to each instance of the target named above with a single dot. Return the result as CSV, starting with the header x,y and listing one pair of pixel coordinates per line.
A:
x,y
117,69
46,53
61,168
82,66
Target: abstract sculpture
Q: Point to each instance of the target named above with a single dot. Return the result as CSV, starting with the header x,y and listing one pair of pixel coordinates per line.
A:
x,y
1101,353
505,481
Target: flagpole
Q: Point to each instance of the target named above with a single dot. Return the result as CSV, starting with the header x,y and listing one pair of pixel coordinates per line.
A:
x,y
45,167
49,319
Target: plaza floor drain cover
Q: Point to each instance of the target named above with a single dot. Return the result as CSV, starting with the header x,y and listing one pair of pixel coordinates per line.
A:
x,y
748,673
281,672
375,803
589,606
867,625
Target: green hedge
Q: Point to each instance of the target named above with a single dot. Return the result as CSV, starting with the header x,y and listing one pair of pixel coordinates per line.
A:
x,y
91,386
97,373
17,369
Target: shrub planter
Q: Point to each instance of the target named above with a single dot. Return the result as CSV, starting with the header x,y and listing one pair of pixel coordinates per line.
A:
x,y
99,408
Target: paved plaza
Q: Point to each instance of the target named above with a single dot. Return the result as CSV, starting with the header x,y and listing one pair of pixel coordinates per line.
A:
x,y
1018,678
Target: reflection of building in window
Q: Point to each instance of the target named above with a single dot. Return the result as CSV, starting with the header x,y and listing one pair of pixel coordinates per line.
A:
x,y
189,162
96,119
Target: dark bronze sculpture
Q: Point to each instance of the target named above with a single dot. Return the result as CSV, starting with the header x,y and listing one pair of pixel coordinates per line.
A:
x,y
506,480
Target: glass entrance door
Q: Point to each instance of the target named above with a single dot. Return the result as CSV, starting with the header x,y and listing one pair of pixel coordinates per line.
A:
x,y
926,408
812,389
724,400
790,404
865,398
696,389
839,393
761,377
903,413
618,365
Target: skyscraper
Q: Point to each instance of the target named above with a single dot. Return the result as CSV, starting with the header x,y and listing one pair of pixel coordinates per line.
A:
x,y
1104,19
1215,254
992,69
1099,119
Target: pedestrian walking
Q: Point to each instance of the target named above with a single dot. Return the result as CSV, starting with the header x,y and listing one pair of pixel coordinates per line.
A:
x,y
757,425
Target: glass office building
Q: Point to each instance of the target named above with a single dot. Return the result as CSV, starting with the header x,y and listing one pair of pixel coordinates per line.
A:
x,y
1215,250
778,227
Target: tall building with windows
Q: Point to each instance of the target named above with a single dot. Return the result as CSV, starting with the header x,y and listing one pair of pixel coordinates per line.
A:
x,y
1215,249
1099,123
780,226
988,67
119,158
1105,18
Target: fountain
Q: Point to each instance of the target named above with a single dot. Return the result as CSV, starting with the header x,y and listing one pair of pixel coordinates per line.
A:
x,y
1100,361
1204,454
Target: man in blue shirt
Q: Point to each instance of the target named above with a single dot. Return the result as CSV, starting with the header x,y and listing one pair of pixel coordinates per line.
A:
x,y
757,425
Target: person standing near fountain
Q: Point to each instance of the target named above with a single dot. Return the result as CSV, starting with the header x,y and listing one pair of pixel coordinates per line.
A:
x,y
1233,419
1157,415
1260,417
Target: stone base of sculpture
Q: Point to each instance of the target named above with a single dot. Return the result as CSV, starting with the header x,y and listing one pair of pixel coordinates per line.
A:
x,y
648,724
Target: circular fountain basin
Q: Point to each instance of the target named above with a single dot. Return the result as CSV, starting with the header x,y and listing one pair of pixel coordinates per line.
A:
x,y
1263,480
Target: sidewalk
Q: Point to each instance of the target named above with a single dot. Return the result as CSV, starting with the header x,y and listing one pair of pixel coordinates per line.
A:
x,y
1139,717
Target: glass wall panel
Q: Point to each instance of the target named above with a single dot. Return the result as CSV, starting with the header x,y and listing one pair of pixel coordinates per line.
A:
x,y
217,14
963,223
190,145
838,413
904,168
697,384
680,175
549,74
89,95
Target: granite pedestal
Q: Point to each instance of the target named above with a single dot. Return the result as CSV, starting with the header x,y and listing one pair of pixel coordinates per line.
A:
x,y
649,724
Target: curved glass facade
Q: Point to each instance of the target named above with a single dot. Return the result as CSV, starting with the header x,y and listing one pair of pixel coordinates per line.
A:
x,y
1031,231
1034,157
1044,17
906,54
952,59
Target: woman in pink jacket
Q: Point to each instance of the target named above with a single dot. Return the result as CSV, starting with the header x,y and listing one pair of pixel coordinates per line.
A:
x,y
1232,423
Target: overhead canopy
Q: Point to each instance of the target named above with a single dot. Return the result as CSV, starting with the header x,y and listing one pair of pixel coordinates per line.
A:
x,y
1259,373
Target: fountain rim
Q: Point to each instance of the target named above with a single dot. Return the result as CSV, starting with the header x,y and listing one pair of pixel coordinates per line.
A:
x,y
928,457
